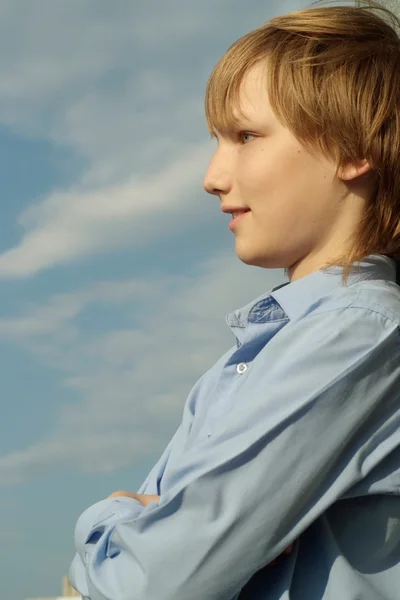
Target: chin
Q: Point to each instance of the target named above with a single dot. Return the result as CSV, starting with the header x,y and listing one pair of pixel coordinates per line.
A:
x,y
252,261
264,261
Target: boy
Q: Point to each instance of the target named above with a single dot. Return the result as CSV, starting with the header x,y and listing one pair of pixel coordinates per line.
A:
x,y
292,440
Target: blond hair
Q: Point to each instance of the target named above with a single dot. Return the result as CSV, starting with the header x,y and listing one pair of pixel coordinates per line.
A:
x,y
333,79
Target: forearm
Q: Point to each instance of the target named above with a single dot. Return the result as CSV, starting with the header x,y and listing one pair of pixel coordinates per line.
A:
x,y
144,499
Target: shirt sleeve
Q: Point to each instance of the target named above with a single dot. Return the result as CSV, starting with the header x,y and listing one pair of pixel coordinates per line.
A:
x,y
108,512
99,516
152,483
315,416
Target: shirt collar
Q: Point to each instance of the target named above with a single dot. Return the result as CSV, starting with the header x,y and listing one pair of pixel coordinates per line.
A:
x,y
291,300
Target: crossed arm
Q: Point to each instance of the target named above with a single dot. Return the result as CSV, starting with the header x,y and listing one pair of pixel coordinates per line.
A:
x,y
146,499
284,466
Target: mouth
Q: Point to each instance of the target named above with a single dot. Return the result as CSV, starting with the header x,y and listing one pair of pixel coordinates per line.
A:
x,y
237,217
238,213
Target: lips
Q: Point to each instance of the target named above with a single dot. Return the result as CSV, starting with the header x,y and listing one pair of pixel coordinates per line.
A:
x,y
230,209
237,213
238,216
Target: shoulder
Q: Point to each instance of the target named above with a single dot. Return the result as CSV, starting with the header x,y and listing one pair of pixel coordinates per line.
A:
x,y
361,300
351,323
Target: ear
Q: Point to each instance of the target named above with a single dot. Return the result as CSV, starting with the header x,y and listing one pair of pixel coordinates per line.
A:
x,y
353,170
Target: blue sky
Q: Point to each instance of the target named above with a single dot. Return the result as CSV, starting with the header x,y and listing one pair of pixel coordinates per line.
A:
x,y
116,268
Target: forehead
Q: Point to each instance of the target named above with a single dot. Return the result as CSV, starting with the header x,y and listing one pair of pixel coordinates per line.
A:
x,y
237,94
252,97
247,103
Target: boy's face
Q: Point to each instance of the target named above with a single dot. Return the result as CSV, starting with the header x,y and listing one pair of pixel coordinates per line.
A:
x,y
300,213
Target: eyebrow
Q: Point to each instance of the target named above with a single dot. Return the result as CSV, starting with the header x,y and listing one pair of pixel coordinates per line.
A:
x,y
240,123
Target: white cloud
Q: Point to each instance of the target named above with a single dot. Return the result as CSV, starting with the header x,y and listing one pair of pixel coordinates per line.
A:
x,y
132,380
61,309
84,76
71,225
56,59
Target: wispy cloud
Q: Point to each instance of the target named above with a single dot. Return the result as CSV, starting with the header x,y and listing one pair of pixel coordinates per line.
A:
x,y
70,225
108,99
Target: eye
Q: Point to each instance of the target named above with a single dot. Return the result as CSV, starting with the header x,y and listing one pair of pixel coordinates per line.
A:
x,y
245,134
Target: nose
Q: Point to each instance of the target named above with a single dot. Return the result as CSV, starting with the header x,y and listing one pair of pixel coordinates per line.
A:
x,y
217,180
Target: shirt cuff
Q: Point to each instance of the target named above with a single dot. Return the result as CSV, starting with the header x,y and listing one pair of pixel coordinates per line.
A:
x,y
101,515
77,576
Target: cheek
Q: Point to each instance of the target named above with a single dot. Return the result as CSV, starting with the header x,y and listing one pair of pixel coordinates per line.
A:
x,y
255,173
279,177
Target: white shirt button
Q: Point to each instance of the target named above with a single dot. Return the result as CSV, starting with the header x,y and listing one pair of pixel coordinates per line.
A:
x,y
241,368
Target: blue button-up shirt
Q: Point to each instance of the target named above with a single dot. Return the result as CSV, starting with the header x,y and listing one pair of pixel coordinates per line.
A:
x,y
292,436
